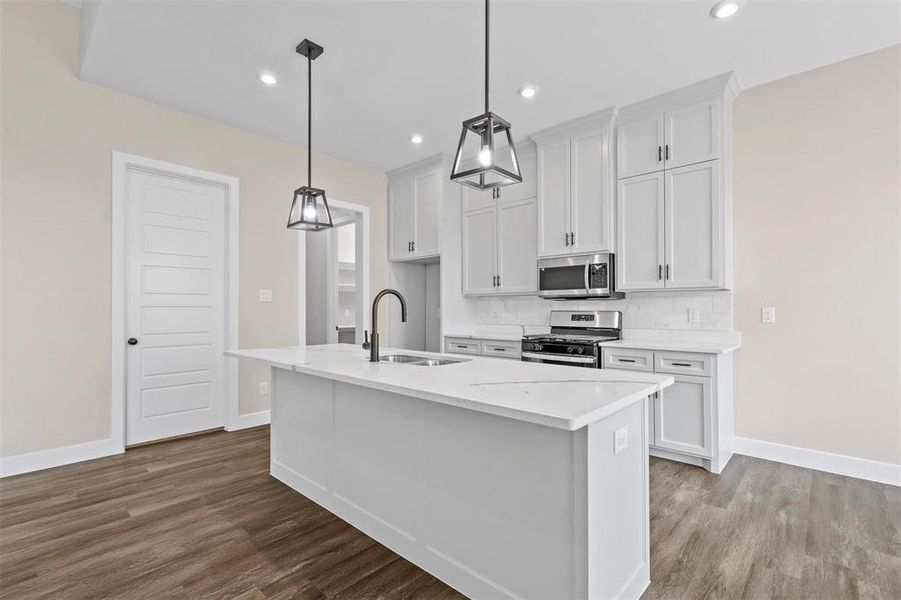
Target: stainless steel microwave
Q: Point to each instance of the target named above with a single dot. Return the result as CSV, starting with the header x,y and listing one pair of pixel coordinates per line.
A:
x,y
573,277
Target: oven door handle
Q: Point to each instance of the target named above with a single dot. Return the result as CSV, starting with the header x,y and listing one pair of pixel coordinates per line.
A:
x,y
579,360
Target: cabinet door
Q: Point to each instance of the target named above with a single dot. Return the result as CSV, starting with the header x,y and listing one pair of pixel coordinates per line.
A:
x,y
401,218
692,134
517,247
591,204
525,189
694,248
553,199
639,147
427,194
640,254
479,247
682,417
474,199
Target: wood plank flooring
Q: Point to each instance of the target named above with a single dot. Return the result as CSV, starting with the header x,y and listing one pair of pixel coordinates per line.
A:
x,y
201,518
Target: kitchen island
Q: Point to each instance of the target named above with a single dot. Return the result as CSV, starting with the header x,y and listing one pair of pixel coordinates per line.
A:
x,y
501,478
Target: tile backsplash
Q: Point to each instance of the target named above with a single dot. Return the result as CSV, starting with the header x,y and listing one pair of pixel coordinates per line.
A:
x,y
641,310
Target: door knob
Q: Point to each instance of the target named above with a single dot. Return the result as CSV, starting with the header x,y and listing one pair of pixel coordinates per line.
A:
x,y
132,341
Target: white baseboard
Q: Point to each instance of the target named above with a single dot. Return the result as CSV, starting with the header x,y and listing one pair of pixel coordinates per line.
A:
x,y
56,457
249,420
860,468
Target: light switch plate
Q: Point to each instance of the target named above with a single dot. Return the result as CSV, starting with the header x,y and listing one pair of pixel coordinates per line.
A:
x,y
768,314
264,388
265,295
620,439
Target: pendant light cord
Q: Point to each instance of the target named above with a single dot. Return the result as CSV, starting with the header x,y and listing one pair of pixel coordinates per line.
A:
x,y
487,15
309,121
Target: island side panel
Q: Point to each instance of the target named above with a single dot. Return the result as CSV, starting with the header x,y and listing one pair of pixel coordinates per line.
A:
x,y
618,506
485,503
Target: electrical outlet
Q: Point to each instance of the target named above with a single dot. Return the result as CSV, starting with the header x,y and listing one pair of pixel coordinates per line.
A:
x,y
620,439
694,315
264,388
265,295
768,314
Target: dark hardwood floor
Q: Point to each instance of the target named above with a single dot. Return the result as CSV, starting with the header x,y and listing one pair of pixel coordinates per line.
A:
x,y
201,518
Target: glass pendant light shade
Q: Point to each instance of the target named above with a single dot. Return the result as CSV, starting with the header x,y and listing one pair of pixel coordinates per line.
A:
x,y
490,167
309,210
487,171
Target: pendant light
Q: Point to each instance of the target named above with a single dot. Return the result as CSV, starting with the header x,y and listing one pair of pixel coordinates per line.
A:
x,y
309,209
486,127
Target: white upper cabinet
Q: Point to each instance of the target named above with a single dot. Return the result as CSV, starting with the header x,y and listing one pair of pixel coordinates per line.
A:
x,y
591,212
500,235
687,183
692,134
526,188
640,245
480,251
400,218
553,194
639,147
575,187
427,195
693,231
414,209
517,248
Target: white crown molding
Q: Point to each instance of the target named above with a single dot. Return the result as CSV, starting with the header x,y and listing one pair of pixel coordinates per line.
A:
x,y
850,466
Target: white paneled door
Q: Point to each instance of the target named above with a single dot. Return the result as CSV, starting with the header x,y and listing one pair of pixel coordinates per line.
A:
x,y
175,306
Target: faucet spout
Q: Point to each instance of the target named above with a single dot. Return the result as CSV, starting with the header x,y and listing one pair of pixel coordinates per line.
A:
x,y
374,338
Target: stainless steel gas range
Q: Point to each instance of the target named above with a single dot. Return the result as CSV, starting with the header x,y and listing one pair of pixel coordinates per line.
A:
x,y
574,339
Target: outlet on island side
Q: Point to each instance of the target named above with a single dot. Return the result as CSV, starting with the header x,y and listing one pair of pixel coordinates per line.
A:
x,y
768,314
620,439
264,388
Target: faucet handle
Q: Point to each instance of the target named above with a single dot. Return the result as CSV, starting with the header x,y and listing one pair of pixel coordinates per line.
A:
x,y
366,344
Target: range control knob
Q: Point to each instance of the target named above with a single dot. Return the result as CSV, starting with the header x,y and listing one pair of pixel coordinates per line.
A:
x,y
579,350
570,349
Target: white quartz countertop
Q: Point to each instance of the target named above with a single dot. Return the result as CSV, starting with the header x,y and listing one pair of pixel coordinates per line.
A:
x,y
674,346
556,396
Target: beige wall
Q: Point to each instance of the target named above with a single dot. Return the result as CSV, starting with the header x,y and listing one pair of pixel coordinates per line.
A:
x,y
817,201
55,152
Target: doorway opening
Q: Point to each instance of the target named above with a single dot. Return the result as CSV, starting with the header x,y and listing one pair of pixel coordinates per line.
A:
x,y
335,278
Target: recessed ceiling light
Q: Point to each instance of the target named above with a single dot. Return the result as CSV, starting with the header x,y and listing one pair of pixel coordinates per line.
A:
x,y
725,9
416,138
268,78
528,91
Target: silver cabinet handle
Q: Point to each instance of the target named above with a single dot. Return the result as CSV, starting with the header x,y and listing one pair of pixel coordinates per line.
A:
x,y
567,238
681,364
659,272
628,360
666,152
572,238
667,273
498,281
659,153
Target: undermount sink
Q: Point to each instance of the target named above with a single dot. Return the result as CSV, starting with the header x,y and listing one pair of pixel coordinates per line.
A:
x,y
421,361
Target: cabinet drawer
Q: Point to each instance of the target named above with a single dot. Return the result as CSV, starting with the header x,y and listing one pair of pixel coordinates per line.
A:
x,y
683,363
502,349
463,346
636,360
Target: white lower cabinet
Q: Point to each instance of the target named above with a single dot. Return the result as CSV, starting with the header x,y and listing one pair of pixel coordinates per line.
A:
x,y
682,416
692,420
483,347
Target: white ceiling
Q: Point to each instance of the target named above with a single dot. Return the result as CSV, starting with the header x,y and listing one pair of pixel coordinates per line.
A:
x,y
392,68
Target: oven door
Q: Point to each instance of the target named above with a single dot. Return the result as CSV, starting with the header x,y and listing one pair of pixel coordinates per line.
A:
x,y
563,277
561,359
